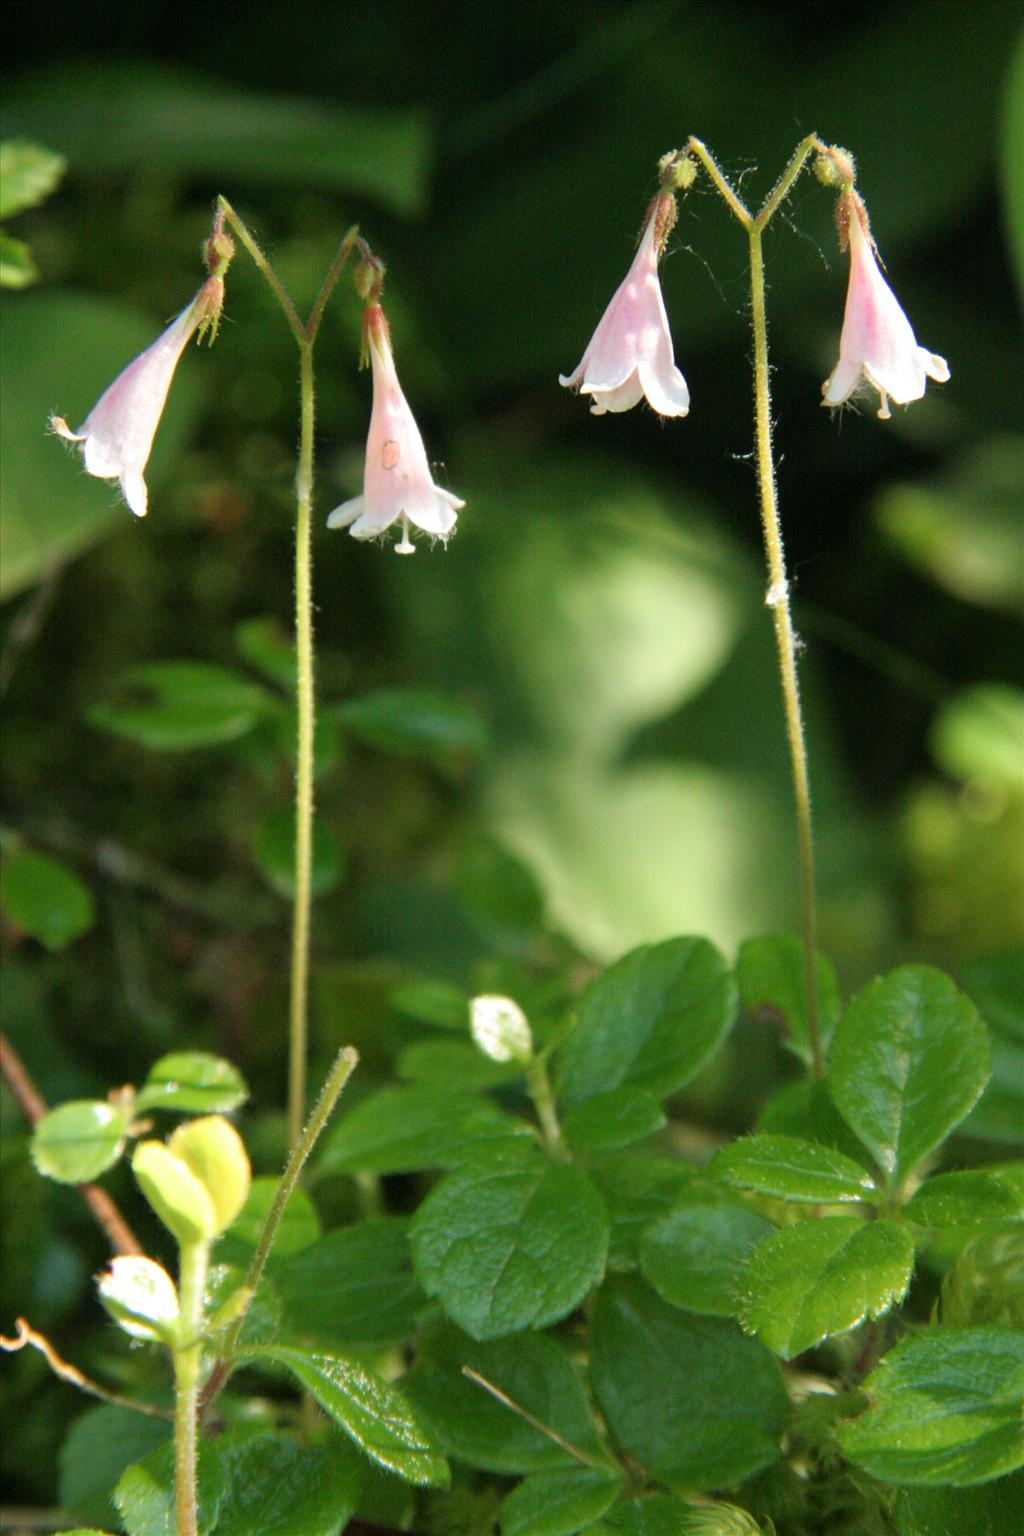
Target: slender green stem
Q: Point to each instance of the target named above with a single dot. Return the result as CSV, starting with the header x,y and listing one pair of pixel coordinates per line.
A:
x,y
334,271
299,994
344,1064
783,186
735,202
187,1366
242,231
778,601
538,1086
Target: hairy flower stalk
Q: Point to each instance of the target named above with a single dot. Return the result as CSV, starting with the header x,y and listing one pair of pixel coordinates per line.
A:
x,y
117,435
878,346
397,484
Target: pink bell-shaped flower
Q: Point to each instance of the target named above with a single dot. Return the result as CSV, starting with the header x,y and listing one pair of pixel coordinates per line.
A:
x,y
630,354
878,344
118,432
397,483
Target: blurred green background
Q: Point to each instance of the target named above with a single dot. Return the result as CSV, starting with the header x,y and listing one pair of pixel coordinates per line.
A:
x,y
601,758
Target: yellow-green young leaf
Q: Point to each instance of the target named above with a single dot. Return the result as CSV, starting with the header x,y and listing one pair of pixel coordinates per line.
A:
x,y
944,1408
473,1427
216,1154
371,1412
43,898
770,972
17,269
144,1496
79,1141
787,1168
909,1059
169,706
28,174
558,1503
821,1278
652,1021
404,1130
180,1199
693,1255
193,1082
985,1283
689,1397
279,1488
354,1287
968,1198
511,1242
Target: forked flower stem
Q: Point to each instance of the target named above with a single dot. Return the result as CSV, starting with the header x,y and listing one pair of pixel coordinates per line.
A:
x,y
778,585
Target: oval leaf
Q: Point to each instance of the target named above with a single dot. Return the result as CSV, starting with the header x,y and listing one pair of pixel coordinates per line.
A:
x,y
693,1255
371,1411
770,972
613,1119
821,1278
193,1082
43,898
79,1141
965,1199
558,1503
404,1130
353,1287
172,705
515,1242
410,723
909,1059
653,1020
787,1168
945,1407
145,1500
279,1488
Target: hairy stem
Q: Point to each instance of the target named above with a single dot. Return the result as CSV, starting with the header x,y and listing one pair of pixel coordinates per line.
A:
x,y
538,1085
187,1366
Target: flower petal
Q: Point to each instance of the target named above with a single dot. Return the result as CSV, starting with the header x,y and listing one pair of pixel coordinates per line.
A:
x,y
347,513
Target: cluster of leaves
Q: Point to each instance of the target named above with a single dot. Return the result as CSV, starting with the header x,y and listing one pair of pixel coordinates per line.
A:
x,y
592,1332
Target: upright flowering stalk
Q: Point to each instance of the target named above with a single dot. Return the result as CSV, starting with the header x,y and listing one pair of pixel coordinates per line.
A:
x,y
117,435
878,344
630,355
397,483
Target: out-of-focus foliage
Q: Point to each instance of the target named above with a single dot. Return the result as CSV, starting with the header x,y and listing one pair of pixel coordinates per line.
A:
x,y
560,738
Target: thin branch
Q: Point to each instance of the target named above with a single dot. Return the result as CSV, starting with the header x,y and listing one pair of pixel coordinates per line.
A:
x,y
33,1106
70,1373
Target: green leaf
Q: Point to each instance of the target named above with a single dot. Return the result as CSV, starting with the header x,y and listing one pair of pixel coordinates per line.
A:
x,y
978,736
821,1278
510,1242
77,1142
100,1445
999,1113
186,124
411,723
279,1488
432,1002
299,1226
403,1130
473,1427
558,1503
194,1083
1012,158
693,1255
965,1199
43,898
985,1283
274,850
371,1412
944,1407
144,1495
269,648
28,174
787,1168
909,1059
170,706
353,1287
17,269
805,1109
638,1191
61,350
996,984
988,1509
613,1119
770,972
652,1021
496,886
664,1515
689,1397
439,1063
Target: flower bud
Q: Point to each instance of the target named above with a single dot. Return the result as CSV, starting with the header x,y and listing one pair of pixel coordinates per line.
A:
x,y
501,1029
180,1199
835,167
141,1298
213,1150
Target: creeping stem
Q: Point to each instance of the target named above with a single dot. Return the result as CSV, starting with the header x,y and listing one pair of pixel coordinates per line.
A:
x,y
778,589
